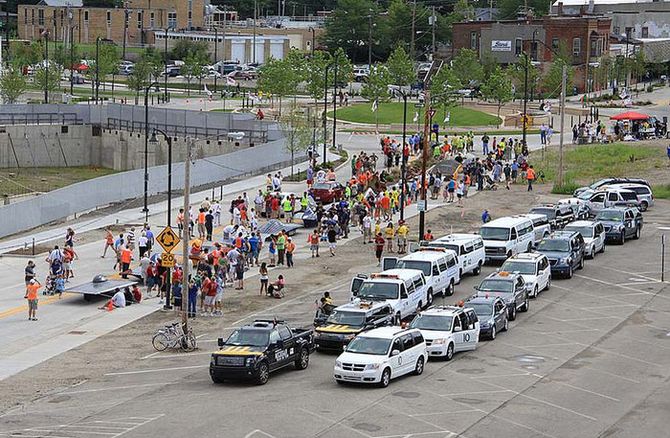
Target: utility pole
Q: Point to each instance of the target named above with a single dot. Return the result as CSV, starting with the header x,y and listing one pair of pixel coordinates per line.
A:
x,y
185,236
411,46
403,168
46,66
433,20
253,48
370,41
334,104
216,51
125,29
424,161
165,60
564,81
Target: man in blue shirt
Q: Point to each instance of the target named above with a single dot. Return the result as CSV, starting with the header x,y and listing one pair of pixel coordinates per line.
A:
x,y
254,244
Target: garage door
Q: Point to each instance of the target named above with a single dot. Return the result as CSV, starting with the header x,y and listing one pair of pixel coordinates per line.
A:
x,y
277,49
237,51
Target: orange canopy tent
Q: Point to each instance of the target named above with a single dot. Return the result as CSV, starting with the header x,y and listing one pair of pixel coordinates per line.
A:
x,y
630,115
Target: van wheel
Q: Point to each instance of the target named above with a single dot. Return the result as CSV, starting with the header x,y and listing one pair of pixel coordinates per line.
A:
x,y
569,275
450,290
581,263
506,326
637,233
460,276
602,250
622,239
493,332
397,320
386,378
429,299
418,368
644,206
536,292
548,286
530,247
450,352
512,313
526,305
478,269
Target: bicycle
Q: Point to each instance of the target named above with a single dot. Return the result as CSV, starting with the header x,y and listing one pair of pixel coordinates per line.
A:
x,y
173,336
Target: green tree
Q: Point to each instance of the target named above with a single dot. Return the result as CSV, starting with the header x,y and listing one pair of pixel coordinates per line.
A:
x,y
444,87
12,85
462,11
154,58
344,68
298,135
315,72
400,68
48,78
23,55
498,88
274,78
376,88
192,68
517,73
552,80
347,27
184,48
139,79
467,68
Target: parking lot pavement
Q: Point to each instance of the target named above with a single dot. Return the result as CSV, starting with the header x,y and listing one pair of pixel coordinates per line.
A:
x,y
590,358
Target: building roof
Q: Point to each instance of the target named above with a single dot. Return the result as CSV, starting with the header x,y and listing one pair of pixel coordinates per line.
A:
x,y
62,3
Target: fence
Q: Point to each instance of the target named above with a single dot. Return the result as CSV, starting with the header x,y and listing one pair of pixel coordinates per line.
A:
x,y
87,195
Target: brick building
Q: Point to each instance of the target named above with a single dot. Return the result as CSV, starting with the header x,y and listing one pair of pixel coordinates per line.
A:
x,y
59,17
585,37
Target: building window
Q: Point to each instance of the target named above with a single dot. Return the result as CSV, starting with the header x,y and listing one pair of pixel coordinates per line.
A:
x,y
85,16
533,51
152,20
25,16
172,20
32,16
554,43
645,32
576,47
518,46
40,17
473,40
109,18
139,20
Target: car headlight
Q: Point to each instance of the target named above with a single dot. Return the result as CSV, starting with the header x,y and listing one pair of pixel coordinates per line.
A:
x,y
212,361
317,334
250,361
439,341
338,364
620,227
372,366
488,323
349,337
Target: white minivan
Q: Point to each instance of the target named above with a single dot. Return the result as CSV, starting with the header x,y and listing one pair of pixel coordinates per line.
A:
x,y
468,247
381,354
439,267
507,236
593,233
448,330
404,289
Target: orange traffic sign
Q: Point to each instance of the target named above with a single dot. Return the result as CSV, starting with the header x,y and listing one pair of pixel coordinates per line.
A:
x,y
168,239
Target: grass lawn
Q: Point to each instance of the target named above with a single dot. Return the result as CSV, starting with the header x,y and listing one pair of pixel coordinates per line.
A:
x,y
392,112
586,164
411,131
43,179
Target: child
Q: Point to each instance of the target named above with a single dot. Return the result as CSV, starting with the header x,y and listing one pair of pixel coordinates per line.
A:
x,y
60,286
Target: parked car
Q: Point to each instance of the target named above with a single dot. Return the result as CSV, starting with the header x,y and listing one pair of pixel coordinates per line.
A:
x,y
469,249
492,314
507,236
643,192
558,215
565,251
609,181
621,223
510,286
593,233
608,198
448,330
348,320
534,268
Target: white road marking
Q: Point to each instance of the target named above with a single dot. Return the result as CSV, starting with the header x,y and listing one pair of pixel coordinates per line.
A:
x,y
587,391
524,426
611,374
167,356
155,370
113,388
254,432
475,392
338,423
461,411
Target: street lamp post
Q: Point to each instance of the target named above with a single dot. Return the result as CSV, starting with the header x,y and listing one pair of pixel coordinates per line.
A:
x,y
334,106
46,66
97,68
403,165
146,151
325,111
153,140
72,28
311,29
165,60
526,67
216,52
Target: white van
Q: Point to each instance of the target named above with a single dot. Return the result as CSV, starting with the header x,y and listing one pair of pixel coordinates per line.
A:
x,y
404,289
507,236
439,267
541,225
468,247
643,192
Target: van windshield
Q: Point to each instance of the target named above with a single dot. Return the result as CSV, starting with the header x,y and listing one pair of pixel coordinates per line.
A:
x,y
415,264
559,245
363,345
493,233
496,286
610,215
346,318
482,310
526,268
432,322
378,291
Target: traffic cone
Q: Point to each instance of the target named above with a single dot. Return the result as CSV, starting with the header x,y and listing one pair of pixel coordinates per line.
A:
x,y
109,306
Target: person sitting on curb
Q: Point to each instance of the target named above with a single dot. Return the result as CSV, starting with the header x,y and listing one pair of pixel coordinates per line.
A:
x,y
276,289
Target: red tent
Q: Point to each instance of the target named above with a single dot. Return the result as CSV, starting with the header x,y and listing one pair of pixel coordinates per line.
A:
x,y
630,115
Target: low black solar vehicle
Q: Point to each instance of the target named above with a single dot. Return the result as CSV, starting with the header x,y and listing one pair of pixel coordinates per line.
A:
x,y
255,350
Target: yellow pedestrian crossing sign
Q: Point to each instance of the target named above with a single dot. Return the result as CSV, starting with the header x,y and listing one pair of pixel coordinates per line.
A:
x,y
168,239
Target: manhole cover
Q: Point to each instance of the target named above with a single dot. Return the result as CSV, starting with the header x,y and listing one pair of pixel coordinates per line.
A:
x,y
529,359
368,427
406,394
76,332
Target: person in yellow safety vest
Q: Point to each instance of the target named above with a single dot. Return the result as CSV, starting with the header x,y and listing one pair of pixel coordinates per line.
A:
x,y
288,210
304,201
347,192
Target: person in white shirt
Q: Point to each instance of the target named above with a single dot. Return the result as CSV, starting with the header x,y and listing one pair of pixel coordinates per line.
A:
x,y
367,229
119,299
216,210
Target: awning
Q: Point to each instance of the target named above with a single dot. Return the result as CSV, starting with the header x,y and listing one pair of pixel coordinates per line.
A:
x,y
630,115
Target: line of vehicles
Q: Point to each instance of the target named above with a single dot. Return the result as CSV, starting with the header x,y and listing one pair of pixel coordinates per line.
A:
x,y
391,326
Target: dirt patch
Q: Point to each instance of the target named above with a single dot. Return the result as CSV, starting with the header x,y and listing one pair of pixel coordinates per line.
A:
x,y
132,341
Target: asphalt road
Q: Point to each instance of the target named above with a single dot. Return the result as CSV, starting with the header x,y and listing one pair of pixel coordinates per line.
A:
x,y
591,358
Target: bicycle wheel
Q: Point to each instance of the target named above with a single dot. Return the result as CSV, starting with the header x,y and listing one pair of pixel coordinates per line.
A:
x,y
189,342
160,341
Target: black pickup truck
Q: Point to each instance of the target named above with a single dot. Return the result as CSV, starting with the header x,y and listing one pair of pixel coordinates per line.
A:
x,y
255,350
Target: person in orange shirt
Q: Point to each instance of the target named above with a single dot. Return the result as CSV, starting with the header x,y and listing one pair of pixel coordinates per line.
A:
x,y
31,296
530,176
385,203
202,230
109,242
126,257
